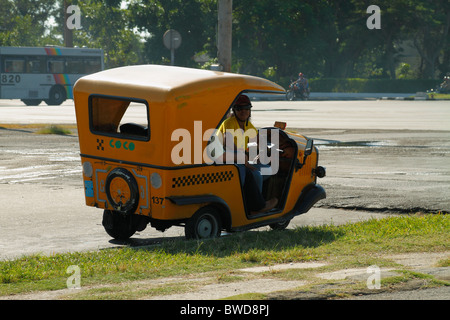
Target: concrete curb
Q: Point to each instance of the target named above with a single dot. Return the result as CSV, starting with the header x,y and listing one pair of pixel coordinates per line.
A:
x,y
323,96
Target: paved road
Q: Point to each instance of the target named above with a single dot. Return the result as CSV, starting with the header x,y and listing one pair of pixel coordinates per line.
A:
x,y
373,114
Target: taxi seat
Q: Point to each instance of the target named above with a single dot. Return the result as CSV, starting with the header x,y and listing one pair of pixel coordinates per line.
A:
x,y
134,129
277,185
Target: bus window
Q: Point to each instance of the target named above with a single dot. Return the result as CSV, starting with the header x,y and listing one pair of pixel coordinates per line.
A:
x,y
92,65
75,66
35,65
14,65
56,66
84,65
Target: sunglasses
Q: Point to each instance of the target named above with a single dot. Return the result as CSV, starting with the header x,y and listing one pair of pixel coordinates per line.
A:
x,y
240,108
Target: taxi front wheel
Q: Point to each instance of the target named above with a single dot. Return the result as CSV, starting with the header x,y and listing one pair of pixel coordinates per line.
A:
x,y
205,223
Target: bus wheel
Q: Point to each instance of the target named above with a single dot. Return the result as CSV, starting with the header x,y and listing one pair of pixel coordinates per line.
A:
x,y
31,102
205,223
57,96
118,225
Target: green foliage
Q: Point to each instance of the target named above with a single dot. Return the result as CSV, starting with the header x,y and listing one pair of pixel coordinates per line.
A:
x,y
22,22
404,71
194,20
106,25
54,129
275,39
372,85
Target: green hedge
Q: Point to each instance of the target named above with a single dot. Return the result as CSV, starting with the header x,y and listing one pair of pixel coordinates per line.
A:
x,y
371,85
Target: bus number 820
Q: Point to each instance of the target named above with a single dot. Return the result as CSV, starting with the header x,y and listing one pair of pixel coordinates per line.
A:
x,y
10,78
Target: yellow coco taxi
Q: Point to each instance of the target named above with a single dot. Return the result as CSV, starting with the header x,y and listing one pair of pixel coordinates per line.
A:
x,y
144,133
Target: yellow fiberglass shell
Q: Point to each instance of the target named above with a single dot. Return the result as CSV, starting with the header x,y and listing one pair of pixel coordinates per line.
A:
x,y
191,100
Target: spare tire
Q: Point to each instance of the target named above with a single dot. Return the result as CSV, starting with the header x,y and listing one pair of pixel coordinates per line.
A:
x,y
122,190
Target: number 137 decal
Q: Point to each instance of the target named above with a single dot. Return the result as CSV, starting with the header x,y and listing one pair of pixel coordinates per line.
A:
x,y
157,200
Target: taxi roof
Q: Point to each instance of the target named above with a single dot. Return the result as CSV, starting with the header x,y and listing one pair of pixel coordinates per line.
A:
x,y
163,83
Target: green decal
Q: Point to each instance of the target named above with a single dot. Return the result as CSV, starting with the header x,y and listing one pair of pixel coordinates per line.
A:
x,y
116,144
128,146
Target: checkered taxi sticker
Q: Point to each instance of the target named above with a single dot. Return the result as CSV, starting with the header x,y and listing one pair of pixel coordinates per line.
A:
x,y
202,178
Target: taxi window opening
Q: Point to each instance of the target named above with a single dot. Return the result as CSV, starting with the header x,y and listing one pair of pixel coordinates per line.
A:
x,y
120,117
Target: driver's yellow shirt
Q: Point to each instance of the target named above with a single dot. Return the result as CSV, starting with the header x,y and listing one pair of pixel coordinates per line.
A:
x,y
241,137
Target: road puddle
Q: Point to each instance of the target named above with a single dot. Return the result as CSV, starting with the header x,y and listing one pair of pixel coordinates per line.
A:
x,y
33,165
353,144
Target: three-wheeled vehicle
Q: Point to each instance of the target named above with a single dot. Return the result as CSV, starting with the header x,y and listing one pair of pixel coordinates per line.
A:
x,y
143,131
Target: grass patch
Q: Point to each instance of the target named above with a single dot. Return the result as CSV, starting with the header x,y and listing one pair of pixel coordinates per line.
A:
x,y
54,129
31,126
444,263
349,245
439,96
248,296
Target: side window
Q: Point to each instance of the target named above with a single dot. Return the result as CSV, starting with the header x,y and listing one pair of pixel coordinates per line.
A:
x,y
14,65
55,66
75,66
92,65
119,116
36,65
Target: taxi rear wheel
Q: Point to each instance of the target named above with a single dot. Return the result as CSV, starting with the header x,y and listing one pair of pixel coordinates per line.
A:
x,y
205,223
118,225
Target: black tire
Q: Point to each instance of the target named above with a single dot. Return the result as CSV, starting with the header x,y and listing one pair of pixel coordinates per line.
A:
x,y
204,224
32,102
57,96
290,95
280,225
118,225
122,190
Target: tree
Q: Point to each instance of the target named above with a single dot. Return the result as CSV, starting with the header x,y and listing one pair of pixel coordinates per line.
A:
x,y
272,35
431,34
105,25
271,38
23,22
193,19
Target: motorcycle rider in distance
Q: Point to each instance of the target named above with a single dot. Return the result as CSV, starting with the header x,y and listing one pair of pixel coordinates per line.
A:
x,y
299,89
303,82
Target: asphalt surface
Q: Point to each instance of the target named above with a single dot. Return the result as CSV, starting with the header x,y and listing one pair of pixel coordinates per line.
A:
x,y
382,157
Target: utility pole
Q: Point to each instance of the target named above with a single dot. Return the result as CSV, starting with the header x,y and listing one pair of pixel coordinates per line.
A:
x,y
225,11
68,33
